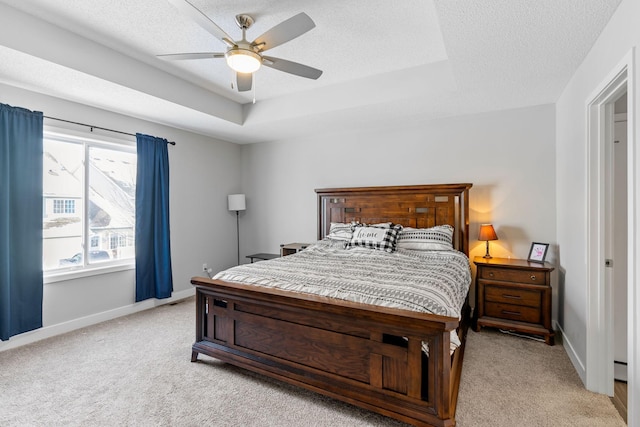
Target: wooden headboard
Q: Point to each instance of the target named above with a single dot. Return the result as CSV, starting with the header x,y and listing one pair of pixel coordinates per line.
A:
x,y
418,206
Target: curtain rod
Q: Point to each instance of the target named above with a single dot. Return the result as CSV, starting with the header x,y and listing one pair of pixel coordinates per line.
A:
x,y
96,127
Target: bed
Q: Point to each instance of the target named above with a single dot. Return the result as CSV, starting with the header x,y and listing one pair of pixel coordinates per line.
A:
x,y
394,361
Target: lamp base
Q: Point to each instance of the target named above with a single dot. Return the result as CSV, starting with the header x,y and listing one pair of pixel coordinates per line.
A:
x,y
238,233
487,254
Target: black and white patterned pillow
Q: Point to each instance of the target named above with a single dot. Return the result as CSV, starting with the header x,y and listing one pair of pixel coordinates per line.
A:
x,y
341,230
380,238
438,238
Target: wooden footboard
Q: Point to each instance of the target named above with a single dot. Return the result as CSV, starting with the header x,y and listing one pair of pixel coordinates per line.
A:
x,y
368,356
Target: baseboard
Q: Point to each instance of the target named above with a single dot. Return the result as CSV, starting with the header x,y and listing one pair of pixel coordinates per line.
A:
x,y
72,325
620,371
573,357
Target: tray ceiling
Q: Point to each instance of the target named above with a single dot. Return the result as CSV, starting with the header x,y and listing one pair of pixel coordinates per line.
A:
x,y
384,63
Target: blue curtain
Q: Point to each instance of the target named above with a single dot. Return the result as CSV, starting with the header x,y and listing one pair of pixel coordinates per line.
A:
x,y
153,250
20,221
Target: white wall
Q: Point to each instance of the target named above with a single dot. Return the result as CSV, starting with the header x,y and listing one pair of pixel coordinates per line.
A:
x,y
202,172
621,34
507,155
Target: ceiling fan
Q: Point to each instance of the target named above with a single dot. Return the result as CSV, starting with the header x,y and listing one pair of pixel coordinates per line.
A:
x,y
246,57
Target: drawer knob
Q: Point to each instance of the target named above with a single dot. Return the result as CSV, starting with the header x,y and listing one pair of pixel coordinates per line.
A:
x,y
533,277
491,274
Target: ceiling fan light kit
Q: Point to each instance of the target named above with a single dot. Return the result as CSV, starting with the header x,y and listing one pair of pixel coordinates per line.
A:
x,y
243,60
246,57
242,56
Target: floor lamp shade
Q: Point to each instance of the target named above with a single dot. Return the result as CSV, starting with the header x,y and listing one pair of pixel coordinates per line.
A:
x,y
236,202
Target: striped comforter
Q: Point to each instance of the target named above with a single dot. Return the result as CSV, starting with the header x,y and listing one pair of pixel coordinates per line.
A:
x,y
434,282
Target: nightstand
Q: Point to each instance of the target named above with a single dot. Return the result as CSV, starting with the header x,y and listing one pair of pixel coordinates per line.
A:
x,y
262,256
292,248
515,295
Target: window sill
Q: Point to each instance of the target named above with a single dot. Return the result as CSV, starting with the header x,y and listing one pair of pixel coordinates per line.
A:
x,y
63,276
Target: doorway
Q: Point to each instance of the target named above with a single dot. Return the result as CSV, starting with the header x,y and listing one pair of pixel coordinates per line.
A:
x,y
601,236
616,240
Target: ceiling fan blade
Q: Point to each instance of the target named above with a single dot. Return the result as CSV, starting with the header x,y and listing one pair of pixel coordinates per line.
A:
x,y
244,81
291,67
285,31
200,55
200,18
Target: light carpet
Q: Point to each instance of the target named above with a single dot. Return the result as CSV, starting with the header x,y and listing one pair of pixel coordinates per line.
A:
x,y
136,371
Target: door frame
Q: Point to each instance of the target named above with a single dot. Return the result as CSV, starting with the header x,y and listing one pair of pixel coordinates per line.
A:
x,y
599,319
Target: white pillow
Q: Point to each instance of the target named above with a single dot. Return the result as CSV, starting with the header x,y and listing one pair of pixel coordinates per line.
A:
x,y
438,238
341,231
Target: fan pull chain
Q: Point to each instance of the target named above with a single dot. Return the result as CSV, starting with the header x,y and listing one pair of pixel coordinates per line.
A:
x,y
254,88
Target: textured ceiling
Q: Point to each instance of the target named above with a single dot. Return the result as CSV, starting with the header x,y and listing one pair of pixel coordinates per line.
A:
x,y
385,63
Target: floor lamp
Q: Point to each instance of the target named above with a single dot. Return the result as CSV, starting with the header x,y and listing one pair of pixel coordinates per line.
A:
x,y
237,203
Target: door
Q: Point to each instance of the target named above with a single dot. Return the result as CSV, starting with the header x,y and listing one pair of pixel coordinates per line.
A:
x,y
619,247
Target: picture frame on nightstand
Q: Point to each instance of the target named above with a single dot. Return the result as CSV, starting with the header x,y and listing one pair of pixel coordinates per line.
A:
x,y
538,252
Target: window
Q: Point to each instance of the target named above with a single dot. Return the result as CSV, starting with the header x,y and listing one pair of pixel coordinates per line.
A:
x,y
64,206
118,240
88,202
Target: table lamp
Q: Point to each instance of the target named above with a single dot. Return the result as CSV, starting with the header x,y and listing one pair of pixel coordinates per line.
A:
x,y
487,233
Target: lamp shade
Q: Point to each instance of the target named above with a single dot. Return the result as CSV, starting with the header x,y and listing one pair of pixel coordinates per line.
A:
x,y
236,202
487,233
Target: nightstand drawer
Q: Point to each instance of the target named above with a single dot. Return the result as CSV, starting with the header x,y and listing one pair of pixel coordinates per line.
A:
x,y
511,275
506,295
512,312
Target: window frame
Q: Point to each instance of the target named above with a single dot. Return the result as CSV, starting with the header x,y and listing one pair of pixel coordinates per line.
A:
x,y
99,140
